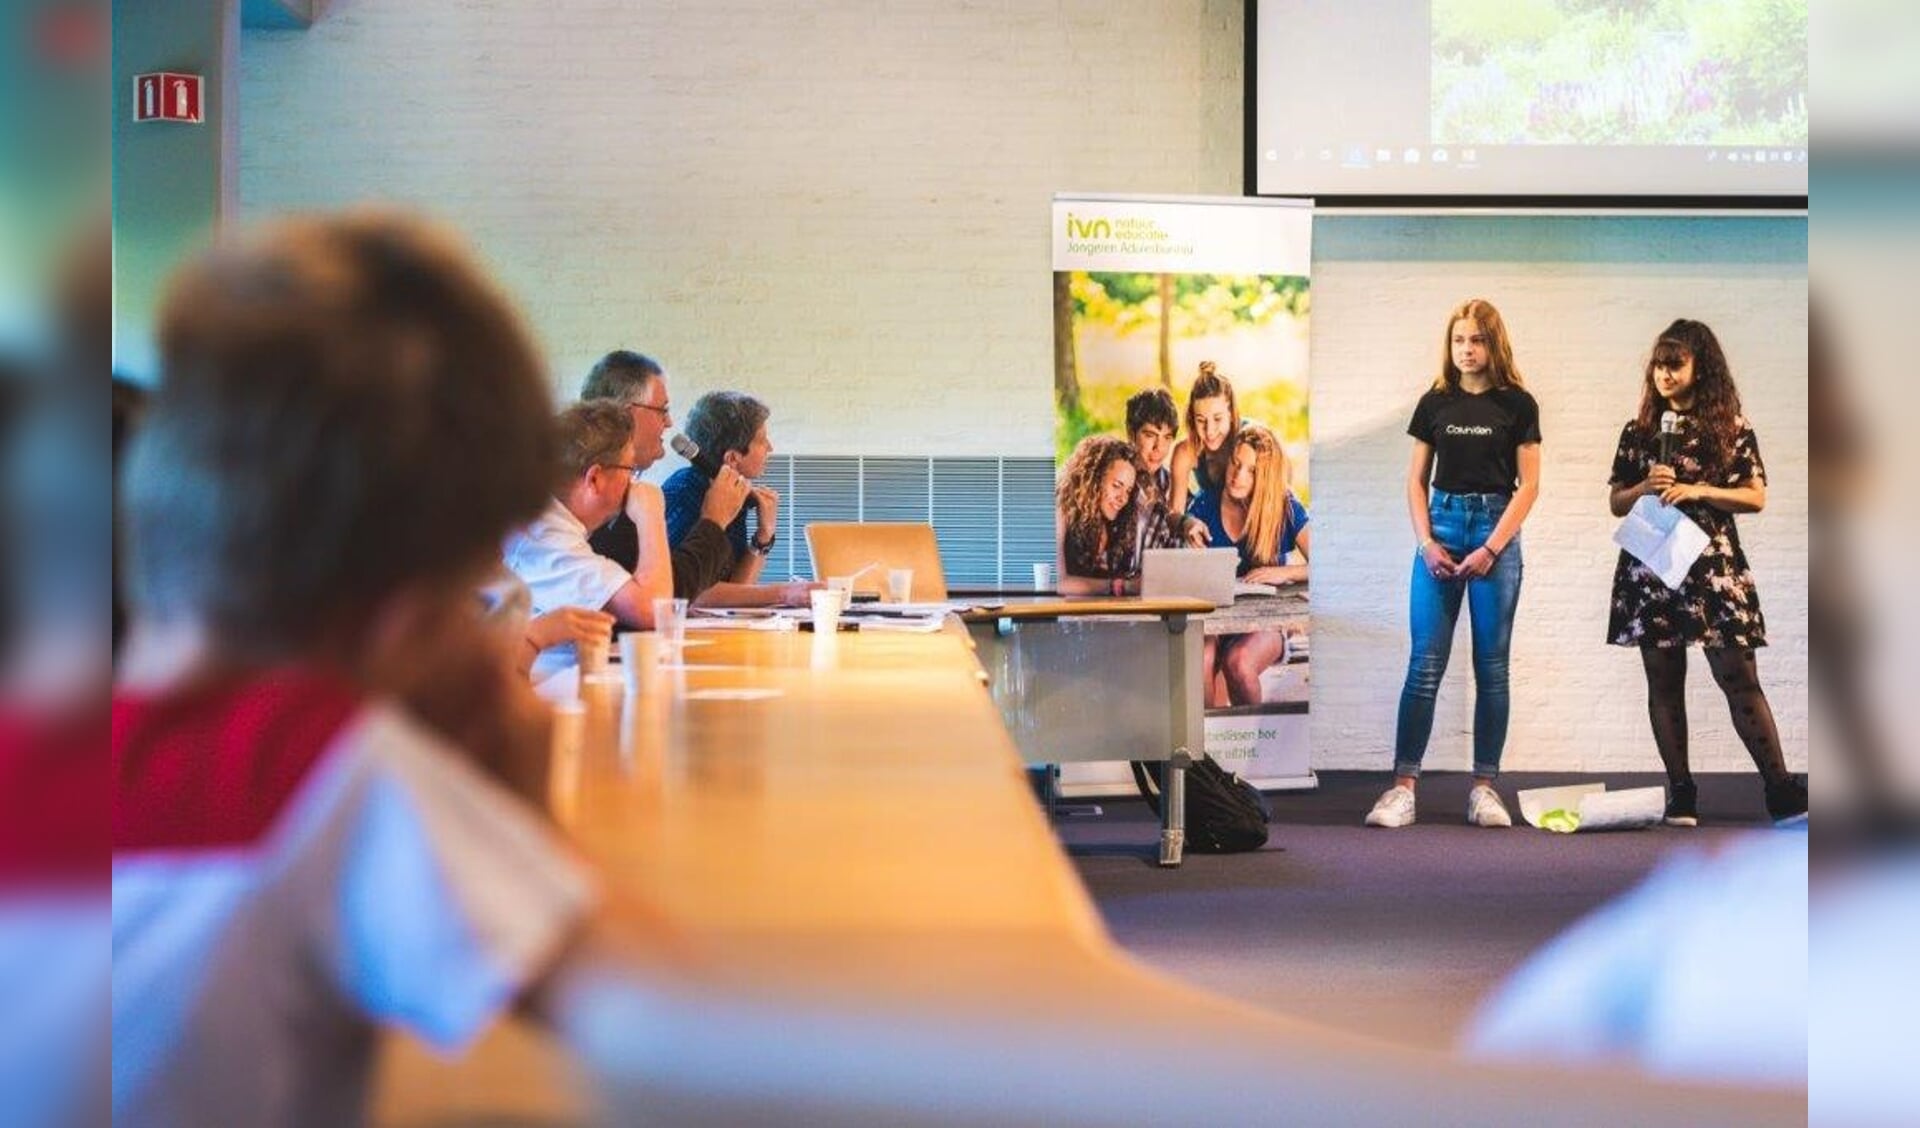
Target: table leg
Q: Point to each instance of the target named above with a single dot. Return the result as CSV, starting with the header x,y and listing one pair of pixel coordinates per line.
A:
x,y
1173,809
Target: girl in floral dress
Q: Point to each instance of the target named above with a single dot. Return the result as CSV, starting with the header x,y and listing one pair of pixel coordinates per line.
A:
x,y
1712,470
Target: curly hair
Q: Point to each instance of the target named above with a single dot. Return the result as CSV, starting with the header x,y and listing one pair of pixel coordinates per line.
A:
x,y
1078,498
1500,366
1716,402
1267,510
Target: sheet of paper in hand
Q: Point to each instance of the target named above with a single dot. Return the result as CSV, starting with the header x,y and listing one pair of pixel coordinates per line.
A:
x,y
1661,537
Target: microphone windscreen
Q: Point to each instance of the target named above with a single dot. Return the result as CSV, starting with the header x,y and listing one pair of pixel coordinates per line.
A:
x,y
702,461
1669,422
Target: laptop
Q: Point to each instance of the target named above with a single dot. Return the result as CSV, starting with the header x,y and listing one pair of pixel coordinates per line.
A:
x,y
844,548
1206,573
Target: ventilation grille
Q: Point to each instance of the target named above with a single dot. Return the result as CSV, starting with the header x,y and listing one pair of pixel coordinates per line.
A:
x,y
993,517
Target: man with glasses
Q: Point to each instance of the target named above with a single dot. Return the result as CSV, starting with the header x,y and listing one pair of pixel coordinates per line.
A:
x,y
600,455
702,557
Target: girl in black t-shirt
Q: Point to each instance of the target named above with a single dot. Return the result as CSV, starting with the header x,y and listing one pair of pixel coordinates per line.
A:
x,y
1710,467
1474,475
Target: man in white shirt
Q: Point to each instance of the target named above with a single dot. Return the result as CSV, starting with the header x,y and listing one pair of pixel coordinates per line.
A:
x,y
603,450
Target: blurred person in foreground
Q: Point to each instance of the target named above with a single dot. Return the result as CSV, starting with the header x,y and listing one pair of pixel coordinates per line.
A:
x,y
306,841
55,625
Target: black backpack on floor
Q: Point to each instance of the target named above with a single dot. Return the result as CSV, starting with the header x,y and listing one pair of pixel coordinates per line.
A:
x,y
1225,814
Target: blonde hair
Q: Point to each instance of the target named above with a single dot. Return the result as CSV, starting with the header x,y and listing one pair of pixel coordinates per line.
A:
x,y
1500,366
1267,511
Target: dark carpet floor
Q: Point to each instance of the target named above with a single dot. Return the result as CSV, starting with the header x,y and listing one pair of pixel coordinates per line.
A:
x,y
1394,933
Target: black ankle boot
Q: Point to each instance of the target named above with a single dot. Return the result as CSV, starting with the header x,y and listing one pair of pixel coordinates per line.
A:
x,y
1683,804
1787,801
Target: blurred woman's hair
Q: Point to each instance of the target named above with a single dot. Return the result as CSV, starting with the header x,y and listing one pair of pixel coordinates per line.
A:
x,y
348,406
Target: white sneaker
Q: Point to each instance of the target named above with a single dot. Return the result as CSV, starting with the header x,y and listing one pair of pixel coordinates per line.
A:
x,y
1394,808
1484,807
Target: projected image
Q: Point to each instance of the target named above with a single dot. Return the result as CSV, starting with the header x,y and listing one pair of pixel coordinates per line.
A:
x,y
1581,72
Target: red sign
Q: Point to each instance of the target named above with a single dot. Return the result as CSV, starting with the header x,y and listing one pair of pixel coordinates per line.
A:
x,y
166,96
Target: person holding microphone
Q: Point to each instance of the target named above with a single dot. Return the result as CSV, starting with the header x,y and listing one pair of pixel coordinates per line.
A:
x,y
1690,446
725,439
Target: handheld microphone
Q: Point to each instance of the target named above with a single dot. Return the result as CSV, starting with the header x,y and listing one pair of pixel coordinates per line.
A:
x,y
703,460
1669,427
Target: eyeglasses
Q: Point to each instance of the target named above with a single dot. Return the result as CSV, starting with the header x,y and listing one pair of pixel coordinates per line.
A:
x,y
665,411
633,472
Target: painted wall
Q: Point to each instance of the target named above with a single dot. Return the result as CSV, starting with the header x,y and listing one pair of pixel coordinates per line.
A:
x,y
172,182
1583,300
844,209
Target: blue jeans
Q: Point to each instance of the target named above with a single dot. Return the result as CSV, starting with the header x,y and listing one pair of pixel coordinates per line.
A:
x,y
1461,523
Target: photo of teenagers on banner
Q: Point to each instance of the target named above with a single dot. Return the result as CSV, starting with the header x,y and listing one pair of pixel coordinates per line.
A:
x,y
1181,421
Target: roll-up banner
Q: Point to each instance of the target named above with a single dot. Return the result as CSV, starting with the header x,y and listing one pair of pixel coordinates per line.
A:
x,y
1187,317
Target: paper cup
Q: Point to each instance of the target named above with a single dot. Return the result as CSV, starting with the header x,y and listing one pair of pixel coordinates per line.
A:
x,y
900,584
1042,576
826,610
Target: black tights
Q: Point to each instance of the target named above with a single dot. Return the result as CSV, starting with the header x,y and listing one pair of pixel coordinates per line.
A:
x,y
1739,679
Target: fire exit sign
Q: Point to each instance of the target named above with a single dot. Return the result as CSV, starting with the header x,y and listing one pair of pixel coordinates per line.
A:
x,y
167,96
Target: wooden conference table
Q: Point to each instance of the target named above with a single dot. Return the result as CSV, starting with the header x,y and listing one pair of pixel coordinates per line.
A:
x,y
882,929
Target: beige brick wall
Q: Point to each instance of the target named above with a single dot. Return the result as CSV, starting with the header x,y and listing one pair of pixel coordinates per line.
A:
x,y
844,209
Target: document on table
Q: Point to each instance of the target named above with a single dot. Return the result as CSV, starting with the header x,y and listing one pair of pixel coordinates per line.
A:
x,y
1662,538
733,619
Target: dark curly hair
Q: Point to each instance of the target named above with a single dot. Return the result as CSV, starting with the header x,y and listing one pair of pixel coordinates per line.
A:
x,y
1716,402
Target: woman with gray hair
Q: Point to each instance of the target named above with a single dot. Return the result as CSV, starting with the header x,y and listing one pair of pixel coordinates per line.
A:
x,y
732,426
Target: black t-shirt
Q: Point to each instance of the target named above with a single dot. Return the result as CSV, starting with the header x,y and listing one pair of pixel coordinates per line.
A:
x,y
1475,437
618,540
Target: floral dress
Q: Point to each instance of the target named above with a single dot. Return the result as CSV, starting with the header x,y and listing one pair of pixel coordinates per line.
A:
x,y
1717,605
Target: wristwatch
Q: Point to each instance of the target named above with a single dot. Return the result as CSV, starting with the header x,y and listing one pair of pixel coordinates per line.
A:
x,y
759,549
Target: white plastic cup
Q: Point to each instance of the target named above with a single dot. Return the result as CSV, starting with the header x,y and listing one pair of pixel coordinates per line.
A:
x,y
900,584
1042,576
826,610
670,622
593,653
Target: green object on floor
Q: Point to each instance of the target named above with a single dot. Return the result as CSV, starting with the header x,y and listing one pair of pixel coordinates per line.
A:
x,y
1560,821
